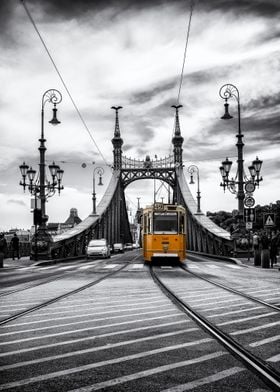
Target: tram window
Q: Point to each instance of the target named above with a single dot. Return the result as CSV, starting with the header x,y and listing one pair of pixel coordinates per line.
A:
x,y
165,222
182,223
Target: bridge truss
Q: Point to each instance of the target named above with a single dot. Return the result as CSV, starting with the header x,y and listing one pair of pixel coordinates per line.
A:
x,y
111,218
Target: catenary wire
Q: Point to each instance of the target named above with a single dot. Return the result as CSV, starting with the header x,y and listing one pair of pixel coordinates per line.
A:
x,y
185,51
62,80
184,61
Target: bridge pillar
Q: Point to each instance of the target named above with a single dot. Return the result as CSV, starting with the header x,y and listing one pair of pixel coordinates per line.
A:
x,y
117,141
177,140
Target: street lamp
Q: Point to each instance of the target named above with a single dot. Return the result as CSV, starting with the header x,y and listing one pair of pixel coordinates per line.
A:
x,y
39,186
194,169
236,185
100,172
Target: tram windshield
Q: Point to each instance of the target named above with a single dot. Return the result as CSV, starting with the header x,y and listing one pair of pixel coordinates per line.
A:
x,y
165,222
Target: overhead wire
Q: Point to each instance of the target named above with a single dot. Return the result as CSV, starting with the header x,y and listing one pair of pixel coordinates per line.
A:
x,y
185,51
62,80
184,61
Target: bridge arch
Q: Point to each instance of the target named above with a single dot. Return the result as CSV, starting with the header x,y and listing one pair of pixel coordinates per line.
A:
x,y
111,218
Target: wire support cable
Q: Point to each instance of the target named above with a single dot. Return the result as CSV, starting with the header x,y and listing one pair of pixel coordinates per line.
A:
x,y
62,80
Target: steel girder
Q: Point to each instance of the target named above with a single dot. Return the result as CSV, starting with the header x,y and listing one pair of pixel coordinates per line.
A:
x,y
164,174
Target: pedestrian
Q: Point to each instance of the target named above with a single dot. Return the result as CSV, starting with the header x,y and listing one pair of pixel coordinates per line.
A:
x,y
265,256
15,246
256,241
273,249
3,247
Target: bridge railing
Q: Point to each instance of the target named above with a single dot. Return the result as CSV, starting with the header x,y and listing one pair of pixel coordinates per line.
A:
x,y
203,235
73,242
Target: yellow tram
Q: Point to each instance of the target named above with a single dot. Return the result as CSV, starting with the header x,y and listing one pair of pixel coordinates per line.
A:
x,y
164,232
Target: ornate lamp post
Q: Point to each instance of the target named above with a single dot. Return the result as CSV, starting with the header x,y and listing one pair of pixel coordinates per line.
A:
x,y
194,169
236,185
39,186
100,172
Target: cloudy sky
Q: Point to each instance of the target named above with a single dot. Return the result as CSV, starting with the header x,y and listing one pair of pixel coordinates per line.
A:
x,y
130,53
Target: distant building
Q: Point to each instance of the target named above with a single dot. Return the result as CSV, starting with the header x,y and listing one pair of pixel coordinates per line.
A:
x,y
71,221
73,218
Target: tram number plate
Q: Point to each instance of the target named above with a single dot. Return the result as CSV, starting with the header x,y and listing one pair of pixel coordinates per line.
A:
x,y
159,206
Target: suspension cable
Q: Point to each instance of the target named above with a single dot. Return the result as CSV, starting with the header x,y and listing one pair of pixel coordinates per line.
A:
x,y
62,81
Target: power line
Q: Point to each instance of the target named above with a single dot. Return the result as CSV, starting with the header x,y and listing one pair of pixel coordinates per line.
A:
x,y
62,80
185,51
184,61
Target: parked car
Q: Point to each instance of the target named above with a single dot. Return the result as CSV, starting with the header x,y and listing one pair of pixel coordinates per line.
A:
x,y
118,247
128,246
97,248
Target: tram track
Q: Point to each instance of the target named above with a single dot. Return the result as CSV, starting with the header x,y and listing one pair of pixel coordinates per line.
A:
x,y
253,362
60,297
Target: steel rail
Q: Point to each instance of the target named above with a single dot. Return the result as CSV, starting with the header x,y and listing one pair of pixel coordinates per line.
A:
x,y
263,370
56,299
232,290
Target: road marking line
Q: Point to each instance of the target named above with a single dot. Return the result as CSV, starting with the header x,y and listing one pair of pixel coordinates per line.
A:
x,y
86,267
109,266
94,337
234,312
264,326
92,349
137,265
206,380
66,267
264,341
93,301
212,266
83,322
147,373
203,299
90,366
233,266
242,320
250,291
98,307
210,293
227,307
175,314
48,320
275,358
218,302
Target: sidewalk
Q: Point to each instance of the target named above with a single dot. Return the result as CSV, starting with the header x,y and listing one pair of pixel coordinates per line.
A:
x,y
250,263
22,262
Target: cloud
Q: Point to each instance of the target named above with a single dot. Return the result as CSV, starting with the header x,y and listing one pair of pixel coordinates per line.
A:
x,y
15,201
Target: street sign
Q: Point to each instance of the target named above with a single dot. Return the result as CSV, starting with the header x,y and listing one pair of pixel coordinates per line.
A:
x,y
249,214
269,219
249,201
249,187
249,225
